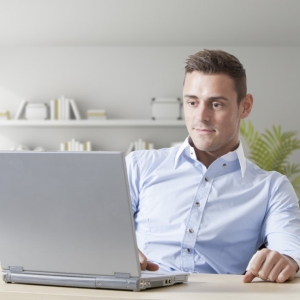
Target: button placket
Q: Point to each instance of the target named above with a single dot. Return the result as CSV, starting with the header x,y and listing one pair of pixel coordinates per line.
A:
x,y
193,224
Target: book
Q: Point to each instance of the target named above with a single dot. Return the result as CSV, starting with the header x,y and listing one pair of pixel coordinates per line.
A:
x,y
87,146
72,148
149,146
96,114
75,109
20,110
56,109
4,115
52,109
62,147
130,148
62,107
67,109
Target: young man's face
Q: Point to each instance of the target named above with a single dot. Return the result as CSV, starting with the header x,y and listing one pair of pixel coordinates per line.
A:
x,y
212,113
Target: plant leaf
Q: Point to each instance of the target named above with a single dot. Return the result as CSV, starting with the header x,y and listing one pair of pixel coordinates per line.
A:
x,y
271,150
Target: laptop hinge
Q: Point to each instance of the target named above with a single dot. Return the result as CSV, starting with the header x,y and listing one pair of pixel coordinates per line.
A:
x,y
16,269
122,275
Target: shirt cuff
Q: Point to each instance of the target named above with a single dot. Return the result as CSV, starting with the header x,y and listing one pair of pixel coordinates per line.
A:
x,y
297,260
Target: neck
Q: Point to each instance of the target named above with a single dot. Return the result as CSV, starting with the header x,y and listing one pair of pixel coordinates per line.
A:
x,y
208,157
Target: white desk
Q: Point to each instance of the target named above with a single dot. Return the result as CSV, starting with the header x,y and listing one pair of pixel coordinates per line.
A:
x,y
200,286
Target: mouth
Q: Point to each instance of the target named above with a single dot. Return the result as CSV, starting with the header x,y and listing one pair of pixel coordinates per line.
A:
x,y
204,130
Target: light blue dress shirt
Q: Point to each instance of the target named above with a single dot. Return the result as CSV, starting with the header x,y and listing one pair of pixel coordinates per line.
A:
x,y
209,220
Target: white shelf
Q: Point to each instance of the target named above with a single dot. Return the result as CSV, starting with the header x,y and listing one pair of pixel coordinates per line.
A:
x,y
93,123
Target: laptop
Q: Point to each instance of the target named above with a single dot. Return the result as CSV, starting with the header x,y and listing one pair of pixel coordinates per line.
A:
x,y
66,220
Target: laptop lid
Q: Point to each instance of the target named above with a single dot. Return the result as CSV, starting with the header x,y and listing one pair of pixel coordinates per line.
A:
x,y
66,212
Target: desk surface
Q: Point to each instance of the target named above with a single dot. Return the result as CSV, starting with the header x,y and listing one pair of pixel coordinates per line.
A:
x,y
206,286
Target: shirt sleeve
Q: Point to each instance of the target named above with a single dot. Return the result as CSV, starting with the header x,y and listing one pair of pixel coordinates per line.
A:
x,y
298,262
133,180
281,226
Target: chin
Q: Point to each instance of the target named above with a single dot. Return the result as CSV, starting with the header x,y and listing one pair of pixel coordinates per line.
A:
x,y
204,148
200,145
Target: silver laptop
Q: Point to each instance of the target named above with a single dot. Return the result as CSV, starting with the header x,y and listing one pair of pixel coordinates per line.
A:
x,y
66,219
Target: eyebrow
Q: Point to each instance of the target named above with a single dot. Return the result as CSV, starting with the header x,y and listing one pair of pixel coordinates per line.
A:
x,y
218,98
190,96
210,98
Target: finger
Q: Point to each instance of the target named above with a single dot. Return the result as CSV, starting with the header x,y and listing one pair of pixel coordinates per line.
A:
x,y
275,268
143,260
248,277
288,273
258,265
152,266
278,271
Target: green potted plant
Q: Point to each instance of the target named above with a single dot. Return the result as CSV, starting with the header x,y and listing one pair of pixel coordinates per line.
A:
x,y
270,150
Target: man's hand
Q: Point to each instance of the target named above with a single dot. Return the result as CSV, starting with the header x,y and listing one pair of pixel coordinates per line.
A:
x,y
271,265
145,264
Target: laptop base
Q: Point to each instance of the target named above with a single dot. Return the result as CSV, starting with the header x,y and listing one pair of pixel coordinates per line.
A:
x,y
105,282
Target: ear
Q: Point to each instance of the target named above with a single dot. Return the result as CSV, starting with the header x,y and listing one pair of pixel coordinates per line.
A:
x,y
246,106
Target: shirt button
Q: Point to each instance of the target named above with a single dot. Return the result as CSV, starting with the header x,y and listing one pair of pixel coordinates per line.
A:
x,y
206,179
188,250
197,204
191,230
224,165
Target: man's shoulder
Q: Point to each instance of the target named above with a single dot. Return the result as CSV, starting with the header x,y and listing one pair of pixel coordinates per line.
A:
x,y
260,174
146,158
272,185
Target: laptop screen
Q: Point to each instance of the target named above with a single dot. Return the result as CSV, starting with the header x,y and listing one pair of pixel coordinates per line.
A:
x,y
66,212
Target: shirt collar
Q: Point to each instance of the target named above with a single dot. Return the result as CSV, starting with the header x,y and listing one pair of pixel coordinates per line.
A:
x,y
230,156
238,153
184,145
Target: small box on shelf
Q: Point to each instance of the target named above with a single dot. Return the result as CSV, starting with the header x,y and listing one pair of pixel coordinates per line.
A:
x,y
166,109
36,111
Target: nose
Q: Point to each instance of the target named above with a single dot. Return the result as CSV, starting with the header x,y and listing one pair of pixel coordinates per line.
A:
x,y
202,113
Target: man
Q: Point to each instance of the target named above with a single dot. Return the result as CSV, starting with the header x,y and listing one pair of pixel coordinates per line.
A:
x,y
202,206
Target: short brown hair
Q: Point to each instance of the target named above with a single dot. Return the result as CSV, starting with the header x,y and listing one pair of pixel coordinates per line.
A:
x,y
219,62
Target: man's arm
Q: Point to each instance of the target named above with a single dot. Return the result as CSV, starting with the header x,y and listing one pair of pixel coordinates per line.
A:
x,y
271,265
280,232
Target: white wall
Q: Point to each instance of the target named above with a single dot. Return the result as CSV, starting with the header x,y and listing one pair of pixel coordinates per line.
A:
x,y
123,80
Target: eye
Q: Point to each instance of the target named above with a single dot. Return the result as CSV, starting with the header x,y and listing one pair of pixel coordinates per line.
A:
x,y
216,104
192,102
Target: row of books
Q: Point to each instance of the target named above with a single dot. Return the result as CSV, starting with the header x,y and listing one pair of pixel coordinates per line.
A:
x,y
140,144
64,108
74,145
61,108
